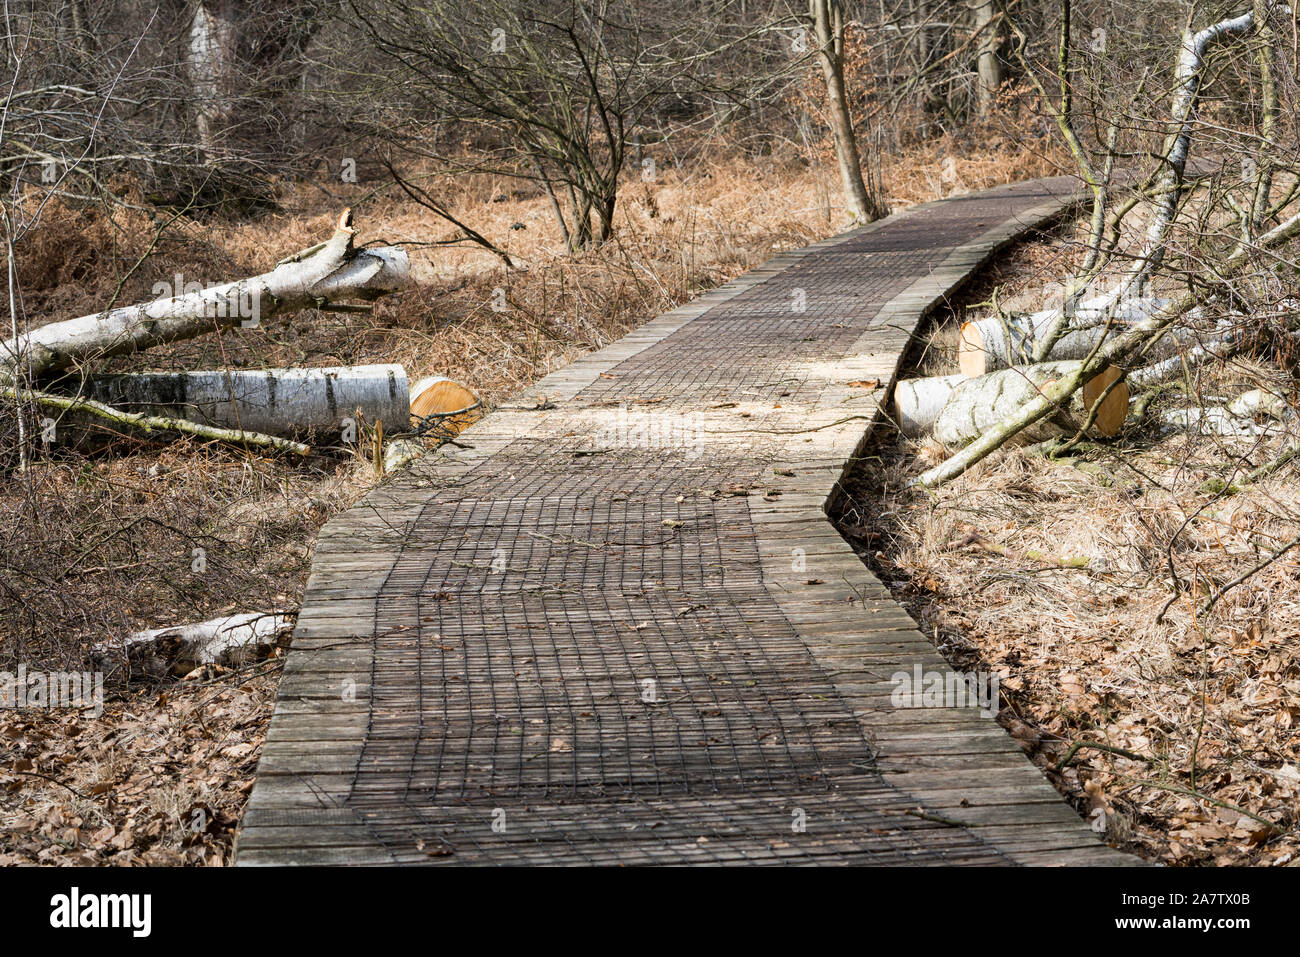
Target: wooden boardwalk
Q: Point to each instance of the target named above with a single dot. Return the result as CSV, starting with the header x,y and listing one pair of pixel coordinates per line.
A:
x,y
614,625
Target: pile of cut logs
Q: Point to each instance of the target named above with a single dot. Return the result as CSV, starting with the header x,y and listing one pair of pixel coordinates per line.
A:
x,y
48,367
998,376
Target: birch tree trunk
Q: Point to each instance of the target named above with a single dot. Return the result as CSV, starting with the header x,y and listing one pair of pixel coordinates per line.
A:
x,y
1187,89
977,405
317,277
273,401
989,68
214,32
1001,342
918,402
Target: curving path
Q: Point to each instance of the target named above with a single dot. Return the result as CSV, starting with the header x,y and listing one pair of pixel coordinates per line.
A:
x,y
614,625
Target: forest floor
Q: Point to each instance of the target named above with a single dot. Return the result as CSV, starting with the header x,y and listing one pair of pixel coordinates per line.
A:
x,y
1056,575
96,547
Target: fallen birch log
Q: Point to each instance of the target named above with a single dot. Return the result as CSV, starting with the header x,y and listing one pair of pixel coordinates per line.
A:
x,y
230,642
318,277
81,406
917,402
1256,402
994,343
274,401
1149,330
978,404
441,408
1215,420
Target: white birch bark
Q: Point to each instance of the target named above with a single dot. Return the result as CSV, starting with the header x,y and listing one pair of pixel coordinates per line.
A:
x,y
977,405
177,650
995,343
917,402
318,277
273,401
213,34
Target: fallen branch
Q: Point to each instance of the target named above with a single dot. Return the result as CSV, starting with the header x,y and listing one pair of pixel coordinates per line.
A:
x,y
1222,349
179,649
1197,795
1158,372
317,277
1213,600
1288,455
1033,555
428,202
1097,746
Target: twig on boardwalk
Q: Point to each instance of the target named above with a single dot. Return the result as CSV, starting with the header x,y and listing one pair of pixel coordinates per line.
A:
x,y
814,428
936,818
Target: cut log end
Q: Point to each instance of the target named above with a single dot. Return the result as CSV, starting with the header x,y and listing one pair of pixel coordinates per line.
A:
x,y
1114,407
438,395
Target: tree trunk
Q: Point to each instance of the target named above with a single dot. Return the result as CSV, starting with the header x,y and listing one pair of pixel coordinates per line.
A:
x,y
1168,189
443,408
274,401
989,68
828,22
80,24
999,343
921,21
214,33
979,404
918,402
317,277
